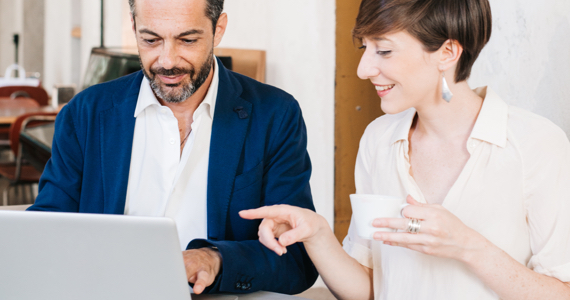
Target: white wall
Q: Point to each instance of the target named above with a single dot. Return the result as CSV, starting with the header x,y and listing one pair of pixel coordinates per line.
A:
x,y
65,57
57,43
11,21
527,61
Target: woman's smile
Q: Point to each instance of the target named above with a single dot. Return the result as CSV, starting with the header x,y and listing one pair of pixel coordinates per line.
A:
x,y
383,90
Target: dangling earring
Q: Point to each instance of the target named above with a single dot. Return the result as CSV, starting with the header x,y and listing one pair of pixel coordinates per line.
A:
x,y
446,92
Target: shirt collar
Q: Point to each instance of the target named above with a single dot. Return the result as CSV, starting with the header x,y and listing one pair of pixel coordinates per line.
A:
x,y
212,95
403,127
490,126
147,98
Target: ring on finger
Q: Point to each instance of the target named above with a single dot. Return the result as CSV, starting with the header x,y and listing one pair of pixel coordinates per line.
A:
x,y
414,226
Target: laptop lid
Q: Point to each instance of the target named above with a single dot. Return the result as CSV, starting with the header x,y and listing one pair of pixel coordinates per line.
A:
x,y
46,255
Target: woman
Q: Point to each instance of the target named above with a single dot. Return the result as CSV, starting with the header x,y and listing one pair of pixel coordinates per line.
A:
x,y
487,183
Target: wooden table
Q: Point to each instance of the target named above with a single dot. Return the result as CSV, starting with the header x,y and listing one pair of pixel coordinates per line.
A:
x,y
10,110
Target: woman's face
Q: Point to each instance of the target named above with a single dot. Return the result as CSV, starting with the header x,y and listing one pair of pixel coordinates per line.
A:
x,y
404,74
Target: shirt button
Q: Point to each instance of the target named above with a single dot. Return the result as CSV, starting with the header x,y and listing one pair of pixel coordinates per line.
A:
x,y
171,141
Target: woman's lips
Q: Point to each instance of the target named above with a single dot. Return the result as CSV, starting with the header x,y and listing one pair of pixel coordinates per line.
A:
x,y
383,90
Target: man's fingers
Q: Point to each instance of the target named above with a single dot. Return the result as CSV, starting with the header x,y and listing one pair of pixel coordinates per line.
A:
x,y
191,269
197,261
203,279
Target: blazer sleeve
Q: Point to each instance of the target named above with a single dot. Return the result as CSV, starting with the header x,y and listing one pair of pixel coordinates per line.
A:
x,y
60,184
248,266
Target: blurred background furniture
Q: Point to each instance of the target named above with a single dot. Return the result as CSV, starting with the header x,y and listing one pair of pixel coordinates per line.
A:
x,y
20,173
35,92
10,107
21,207
106,64
247,62
36,144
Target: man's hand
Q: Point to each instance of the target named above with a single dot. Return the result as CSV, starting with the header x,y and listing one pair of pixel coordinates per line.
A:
x,y
202,266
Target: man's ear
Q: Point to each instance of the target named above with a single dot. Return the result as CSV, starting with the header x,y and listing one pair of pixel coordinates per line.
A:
x,y
220,29
134,25
449,54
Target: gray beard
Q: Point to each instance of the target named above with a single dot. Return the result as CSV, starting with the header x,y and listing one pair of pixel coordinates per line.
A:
x,y
188,90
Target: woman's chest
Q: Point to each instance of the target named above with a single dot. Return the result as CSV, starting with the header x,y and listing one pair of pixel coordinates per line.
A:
x,y
487,195
436,168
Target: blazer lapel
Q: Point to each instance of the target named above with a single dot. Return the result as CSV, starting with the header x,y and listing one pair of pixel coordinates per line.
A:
x,y
229,128
117,131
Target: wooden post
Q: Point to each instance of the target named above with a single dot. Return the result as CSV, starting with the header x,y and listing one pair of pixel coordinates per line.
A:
x,y
357,104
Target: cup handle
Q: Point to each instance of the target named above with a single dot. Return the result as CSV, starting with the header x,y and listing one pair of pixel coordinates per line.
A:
x,y
402,208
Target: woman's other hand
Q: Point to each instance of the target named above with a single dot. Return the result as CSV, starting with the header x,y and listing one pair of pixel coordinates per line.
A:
x,y
290,224
441,233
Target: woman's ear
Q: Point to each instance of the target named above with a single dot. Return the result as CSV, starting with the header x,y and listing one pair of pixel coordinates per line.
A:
x,y
449,54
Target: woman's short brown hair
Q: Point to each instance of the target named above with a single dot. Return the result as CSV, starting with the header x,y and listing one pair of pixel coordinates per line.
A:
x,y
432,22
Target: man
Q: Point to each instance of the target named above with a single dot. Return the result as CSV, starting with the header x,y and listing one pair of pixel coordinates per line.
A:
x,y
188,140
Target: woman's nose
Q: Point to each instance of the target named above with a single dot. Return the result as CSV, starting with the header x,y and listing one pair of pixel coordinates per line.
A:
x,y
367,68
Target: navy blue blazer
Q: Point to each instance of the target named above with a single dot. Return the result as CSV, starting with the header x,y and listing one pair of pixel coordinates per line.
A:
x,y
258,157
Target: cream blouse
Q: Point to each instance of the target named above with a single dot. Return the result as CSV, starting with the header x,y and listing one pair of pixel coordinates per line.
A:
x,y
514,190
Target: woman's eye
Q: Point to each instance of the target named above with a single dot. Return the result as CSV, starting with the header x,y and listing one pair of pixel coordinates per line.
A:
x,y
383,53
362,47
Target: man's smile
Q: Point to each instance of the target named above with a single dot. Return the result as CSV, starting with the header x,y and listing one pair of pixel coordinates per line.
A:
x,y
172,79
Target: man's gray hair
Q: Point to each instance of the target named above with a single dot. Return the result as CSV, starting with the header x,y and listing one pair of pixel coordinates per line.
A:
x,y
214,9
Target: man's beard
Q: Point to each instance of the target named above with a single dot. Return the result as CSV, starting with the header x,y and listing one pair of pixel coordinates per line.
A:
x,y
186,90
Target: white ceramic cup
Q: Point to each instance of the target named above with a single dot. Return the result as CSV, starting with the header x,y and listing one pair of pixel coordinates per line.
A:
x,y
366,208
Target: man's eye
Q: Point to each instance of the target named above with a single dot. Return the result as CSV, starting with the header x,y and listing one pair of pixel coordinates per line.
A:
x,y
186,41
150,41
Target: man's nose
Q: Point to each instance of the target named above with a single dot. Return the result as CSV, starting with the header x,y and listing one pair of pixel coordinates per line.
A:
x,y
169,56
368,66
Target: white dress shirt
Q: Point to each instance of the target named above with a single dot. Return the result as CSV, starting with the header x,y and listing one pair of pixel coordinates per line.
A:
x,y
514,190
162,182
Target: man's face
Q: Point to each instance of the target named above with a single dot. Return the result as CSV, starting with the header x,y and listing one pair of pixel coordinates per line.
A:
x,y
175,40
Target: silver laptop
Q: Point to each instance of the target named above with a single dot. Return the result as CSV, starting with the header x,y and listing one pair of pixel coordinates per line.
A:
x,y
86,256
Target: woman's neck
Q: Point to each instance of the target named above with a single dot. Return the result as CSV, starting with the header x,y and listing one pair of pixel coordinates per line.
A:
x,y
449,121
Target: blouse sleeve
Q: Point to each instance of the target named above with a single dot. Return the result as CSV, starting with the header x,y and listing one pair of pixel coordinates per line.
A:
x,y
357,247
547,194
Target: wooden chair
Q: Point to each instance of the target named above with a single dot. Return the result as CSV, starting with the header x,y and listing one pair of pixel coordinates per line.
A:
x,y
250,63
19,102
35,92
19,172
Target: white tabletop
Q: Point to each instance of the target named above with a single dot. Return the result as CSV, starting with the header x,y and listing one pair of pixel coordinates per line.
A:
x,y
252,296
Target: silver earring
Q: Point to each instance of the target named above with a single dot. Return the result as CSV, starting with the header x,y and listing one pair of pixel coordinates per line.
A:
x,y
446,92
